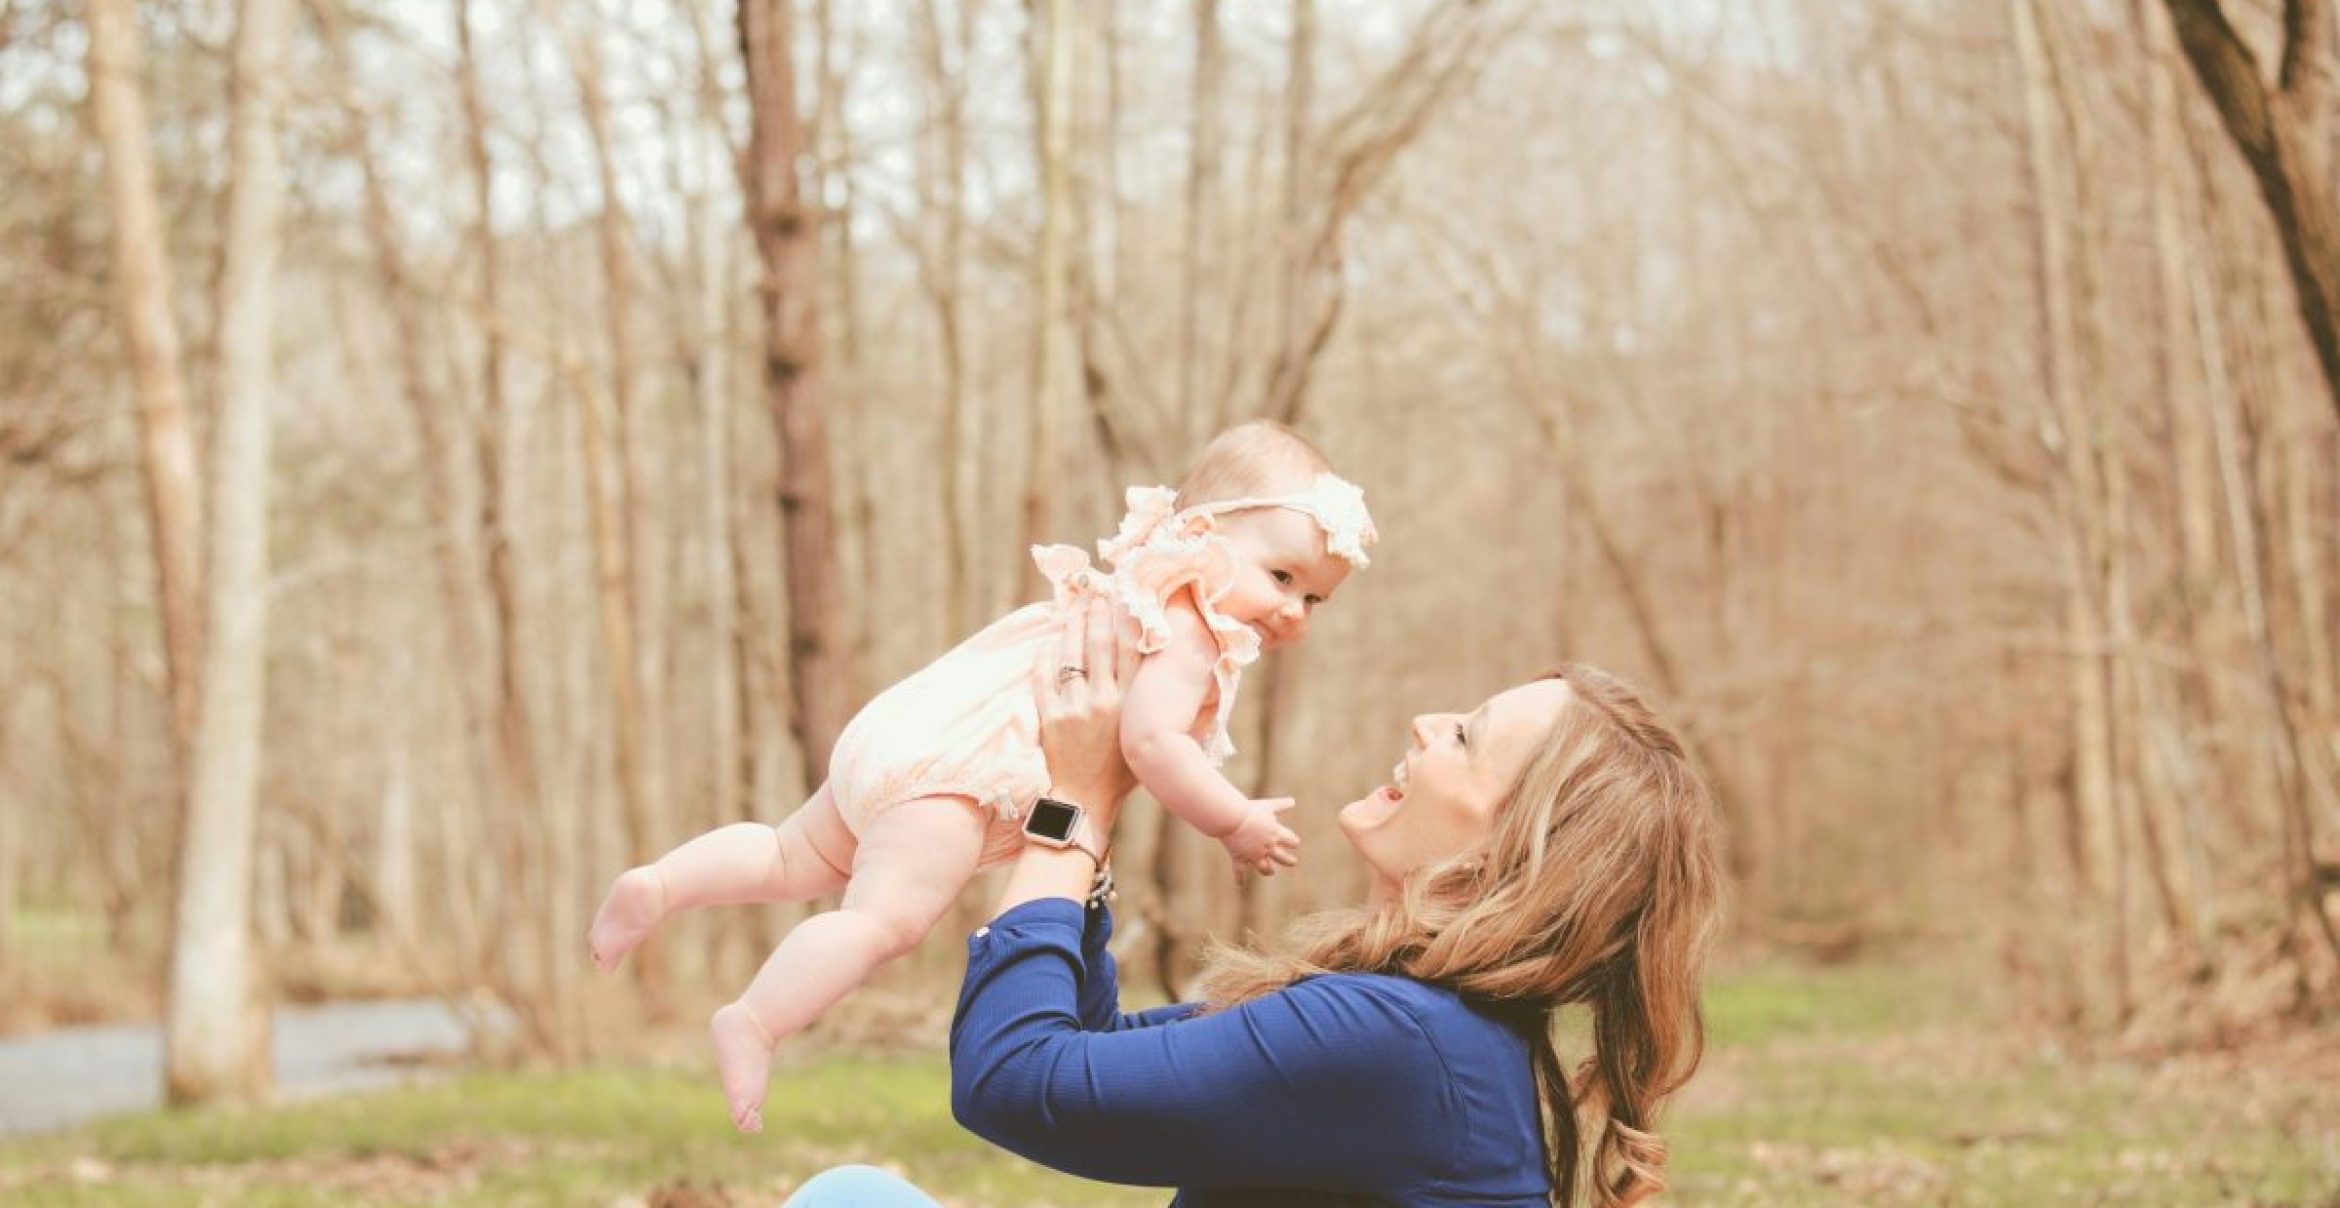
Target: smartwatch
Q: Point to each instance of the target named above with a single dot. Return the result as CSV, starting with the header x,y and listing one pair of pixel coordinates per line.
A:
x,y
1055,823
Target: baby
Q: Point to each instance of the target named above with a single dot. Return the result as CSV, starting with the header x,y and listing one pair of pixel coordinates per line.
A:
x,y
931,780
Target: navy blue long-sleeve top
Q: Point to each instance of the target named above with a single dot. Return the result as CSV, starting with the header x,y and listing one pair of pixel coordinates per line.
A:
x,y
1344,1089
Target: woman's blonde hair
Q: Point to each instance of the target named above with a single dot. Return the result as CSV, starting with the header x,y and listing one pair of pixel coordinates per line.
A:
x,y
1598,885
1255,458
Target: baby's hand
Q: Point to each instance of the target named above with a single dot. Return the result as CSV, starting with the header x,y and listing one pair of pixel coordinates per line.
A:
x,y
1260,843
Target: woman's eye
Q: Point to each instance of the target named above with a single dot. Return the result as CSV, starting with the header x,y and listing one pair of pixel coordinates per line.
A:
x,y
1459,736
1282,576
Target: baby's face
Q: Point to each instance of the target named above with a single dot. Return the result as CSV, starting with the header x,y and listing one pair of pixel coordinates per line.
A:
x,y
1282,573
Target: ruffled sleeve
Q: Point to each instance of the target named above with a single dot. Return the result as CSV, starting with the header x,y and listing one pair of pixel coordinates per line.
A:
x,y
1158,553
1151,510
1067,571
1196,563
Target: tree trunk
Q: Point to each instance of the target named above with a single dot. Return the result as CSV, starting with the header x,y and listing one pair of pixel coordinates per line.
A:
x,y
960,460
142,273
712,382
2192,507
2246,532
515,820
2281,134
1052,143
2097,436
396,882
2306,470
459,603
615,468
613,570
731,769
1299,102
13,816
787,241
2071,432
834,151
216,1033
1202,197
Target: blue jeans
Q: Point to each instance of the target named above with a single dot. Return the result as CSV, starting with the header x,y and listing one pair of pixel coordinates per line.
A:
x,y
858,1187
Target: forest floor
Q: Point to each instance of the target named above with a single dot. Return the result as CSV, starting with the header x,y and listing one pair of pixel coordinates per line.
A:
x,y
1849,1085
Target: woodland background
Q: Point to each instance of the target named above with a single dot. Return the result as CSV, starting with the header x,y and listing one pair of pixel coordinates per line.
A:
x,y
450,452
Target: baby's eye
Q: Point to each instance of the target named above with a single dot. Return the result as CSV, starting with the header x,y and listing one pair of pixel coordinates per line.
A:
x,y
1283,577
1313,601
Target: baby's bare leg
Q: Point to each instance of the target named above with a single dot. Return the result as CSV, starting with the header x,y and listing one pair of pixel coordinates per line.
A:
x,y
910,867
804,857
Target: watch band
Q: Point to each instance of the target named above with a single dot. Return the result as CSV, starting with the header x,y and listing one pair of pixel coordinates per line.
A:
x,y
1082,840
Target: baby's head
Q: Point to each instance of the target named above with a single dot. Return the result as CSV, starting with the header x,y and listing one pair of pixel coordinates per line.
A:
x,y
1296,544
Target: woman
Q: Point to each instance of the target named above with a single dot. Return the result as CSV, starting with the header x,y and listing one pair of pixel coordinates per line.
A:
x,y
1549,850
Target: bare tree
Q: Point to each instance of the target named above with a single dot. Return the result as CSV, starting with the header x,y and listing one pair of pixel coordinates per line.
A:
x,y
944,68
516,960
713,230
2282,131
1052,53
143,282
787,241
632,647
1202,198
12,848
459,610
215,1038
2071,377
2175,771
1366,140
2282,740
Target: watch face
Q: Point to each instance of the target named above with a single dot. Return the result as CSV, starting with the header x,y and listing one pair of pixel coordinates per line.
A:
x,y
1051,820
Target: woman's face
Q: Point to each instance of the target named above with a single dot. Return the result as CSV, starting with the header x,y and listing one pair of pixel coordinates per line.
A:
x,y
1442,797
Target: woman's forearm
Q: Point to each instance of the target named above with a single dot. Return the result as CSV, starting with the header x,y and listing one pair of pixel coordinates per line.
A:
x,y
1329,1084
1047,872
1041,871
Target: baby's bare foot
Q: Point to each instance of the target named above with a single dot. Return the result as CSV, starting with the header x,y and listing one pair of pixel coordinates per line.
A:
x,y
743,1056
634,905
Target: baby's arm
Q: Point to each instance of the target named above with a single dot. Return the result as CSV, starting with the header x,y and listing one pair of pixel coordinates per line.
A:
x,y
1157,717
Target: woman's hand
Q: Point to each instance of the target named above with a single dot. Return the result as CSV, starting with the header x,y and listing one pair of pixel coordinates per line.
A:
x,y
1078,685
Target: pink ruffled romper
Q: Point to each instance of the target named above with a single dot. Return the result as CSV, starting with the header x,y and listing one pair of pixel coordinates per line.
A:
x,y
967,725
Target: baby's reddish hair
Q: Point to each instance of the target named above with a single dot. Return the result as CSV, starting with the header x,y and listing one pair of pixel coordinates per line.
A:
x,y
1262,457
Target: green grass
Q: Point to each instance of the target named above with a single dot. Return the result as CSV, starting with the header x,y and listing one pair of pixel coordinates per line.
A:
x,y
590,1136
1871,1085
1841,1086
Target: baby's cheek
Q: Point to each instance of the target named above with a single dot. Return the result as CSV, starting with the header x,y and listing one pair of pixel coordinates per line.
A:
x,y
1242,600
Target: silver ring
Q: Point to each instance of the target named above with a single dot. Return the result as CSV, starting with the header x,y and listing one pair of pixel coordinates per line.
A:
x,y
1068,673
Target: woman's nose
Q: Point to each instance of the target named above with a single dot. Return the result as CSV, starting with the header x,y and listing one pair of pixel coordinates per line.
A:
x,y
1421,729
